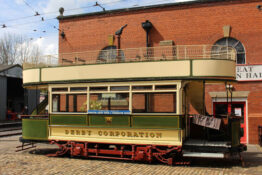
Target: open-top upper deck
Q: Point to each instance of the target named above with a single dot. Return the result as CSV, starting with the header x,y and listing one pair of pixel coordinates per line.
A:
x,y
151,63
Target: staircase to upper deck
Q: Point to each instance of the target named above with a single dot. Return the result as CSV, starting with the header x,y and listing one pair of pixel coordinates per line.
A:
x,y
152,63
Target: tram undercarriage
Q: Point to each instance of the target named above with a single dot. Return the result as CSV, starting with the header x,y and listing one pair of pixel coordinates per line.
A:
x,y
171,155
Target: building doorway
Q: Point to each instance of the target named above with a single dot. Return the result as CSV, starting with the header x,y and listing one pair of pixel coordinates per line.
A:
x,y
237,108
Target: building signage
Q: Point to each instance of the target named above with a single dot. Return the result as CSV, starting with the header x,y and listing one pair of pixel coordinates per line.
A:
x,y
247,73
108,112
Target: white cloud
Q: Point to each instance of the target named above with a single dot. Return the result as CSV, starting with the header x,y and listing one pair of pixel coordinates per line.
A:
x,y
48,45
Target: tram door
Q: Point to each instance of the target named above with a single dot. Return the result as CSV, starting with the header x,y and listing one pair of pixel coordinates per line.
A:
x,y
237,108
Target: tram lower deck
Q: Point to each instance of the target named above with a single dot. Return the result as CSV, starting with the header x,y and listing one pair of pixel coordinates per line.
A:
x,y
141,121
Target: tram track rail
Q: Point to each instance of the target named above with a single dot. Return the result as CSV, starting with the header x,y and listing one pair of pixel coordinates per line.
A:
x,y
10,129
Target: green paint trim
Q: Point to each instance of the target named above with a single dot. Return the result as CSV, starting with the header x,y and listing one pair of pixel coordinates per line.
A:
x,y
70,117
87,120
157,122
86,127
100,120
105,126
157,116
34,138
213,78
24,122
191,68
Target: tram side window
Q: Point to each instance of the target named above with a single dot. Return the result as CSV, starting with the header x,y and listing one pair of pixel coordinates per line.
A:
x,y
55,103
154,102
69,103
113,101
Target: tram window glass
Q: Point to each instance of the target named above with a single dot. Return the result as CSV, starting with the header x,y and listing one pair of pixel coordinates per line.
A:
x,y
77,103
114,101
59,102
98,88
119,88
55,103
59,89
165,87
154,102
137,88
69,102
78,89
62,103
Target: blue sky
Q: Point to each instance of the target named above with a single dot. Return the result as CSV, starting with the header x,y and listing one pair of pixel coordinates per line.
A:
x,y
19,17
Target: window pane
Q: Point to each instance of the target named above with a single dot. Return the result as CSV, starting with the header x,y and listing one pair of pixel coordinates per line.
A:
x,y
62,102
55,103
165,87
78,89
59,89
69,102
241,58
139,103
98,88
230,42
119,102
71,107
119,88
154,102
163,102
77,102
141,87
110,54
239,47
81,102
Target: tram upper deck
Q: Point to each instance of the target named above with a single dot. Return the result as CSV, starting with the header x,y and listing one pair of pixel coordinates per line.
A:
x,y
206,62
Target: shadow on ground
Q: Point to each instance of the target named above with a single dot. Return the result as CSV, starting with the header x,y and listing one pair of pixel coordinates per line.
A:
x,y
251,159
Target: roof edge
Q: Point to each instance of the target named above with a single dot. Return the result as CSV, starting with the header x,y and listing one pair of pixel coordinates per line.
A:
x,y
192,2
9,67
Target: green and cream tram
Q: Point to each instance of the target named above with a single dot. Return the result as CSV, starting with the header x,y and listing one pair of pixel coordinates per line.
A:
x,y
134,109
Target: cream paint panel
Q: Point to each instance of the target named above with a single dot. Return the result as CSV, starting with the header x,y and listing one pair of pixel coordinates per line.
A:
x,y
31,75
108,135
120,70
214,68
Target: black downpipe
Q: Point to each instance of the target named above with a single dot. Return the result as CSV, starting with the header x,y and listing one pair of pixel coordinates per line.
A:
x,y
147,25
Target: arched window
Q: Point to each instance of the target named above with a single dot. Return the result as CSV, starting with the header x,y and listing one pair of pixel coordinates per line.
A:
x,y
231,43
109,54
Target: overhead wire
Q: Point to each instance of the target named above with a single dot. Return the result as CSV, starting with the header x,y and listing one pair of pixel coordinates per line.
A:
x,y
53,12
41,15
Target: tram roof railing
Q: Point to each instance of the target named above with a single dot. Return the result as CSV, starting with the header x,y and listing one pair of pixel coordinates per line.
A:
x,y
143,54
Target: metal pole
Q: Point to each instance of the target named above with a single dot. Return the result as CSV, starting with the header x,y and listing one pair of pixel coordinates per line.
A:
x,y
36,100
118,47
147,38
204,95
227,96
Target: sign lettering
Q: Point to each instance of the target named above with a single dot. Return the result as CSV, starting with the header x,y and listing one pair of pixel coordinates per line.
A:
x,y
82,132
244,73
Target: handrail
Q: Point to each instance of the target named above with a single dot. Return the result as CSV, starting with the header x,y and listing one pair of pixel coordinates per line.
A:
x,y
142,54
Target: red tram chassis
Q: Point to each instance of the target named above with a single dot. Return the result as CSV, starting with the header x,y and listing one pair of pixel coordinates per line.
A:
x,y
171,155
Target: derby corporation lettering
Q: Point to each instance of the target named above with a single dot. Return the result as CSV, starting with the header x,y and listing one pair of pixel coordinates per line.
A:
x,y
102,133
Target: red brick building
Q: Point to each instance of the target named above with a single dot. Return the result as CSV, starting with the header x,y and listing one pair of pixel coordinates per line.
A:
x,y
235,23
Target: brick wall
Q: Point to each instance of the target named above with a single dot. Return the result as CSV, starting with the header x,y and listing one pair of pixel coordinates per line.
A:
x,y
185,25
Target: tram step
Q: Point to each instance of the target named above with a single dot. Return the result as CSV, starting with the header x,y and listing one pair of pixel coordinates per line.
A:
x,y
205,155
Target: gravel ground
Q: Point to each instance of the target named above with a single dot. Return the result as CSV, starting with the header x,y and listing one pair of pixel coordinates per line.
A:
x,y
34,161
